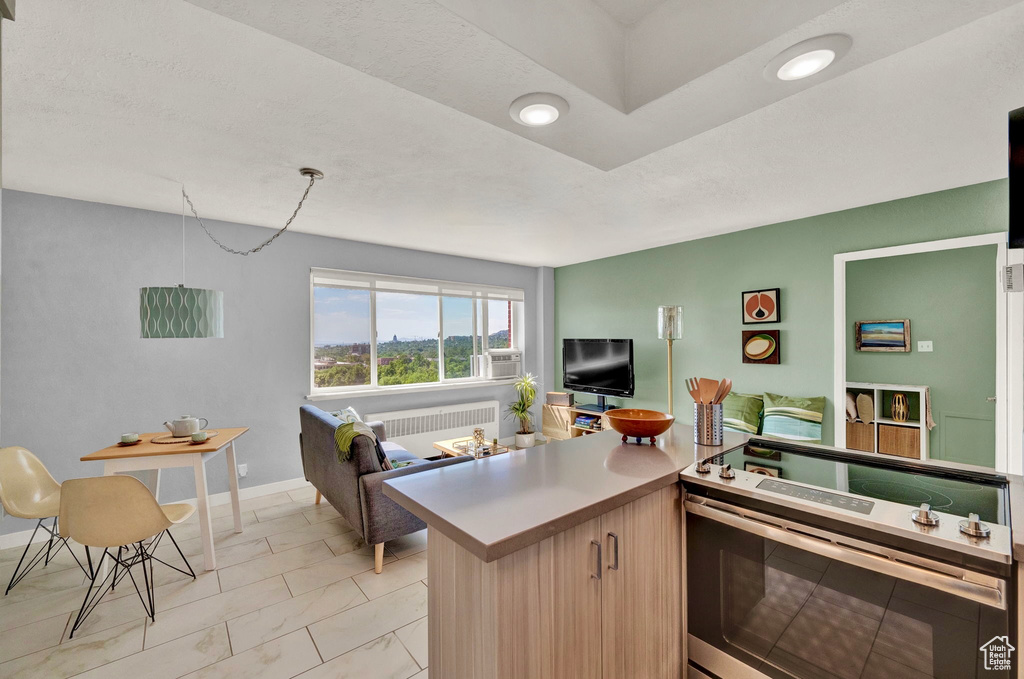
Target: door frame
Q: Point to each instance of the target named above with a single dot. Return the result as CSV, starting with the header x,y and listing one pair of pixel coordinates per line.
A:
x,y
1009,420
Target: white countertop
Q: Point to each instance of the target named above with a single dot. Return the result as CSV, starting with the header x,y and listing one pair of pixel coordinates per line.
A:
x,y
498,505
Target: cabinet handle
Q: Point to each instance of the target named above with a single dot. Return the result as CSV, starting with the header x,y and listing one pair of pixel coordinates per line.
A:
x,y
597,544
615,537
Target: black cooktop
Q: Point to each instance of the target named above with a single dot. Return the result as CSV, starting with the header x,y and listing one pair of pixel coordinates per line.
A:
x,y
876,477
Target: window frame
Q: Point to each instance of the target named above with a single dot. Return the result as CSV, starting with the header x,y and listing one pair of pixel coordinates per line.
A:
x,y
480,294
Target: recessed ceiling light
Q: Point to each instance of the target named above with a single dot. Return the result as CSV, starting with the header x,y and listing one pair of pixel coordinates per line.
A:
x,y
538,109
806,58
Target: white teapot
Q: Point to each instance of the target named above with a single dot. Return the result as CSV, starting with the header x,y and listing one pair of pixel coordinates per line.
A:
x,y
186,425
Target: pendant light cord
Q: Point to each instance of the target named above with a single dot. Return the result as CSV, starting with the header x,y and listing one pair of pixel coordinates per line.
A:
x,y
244,253
183,235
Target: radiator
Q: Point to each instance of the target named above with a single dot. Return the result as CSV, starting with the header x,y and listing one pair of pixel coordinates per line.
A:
x,y
417,430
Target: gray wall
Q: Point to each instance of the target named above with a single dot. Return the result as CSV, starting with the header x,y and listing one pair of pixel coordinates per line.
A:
x,y
76,374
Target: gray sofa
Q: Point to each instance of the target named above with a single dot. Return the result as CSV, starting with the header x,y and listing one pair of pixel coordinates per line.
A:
x,y
355,487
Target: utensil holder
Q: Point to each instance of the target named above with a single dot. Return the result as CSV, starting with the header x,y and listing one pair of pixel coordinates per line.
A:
x,y
707,424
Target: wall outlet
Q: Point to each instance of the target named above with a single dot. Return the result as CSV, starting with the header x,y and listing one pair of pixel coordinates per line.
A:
x,y
243,469
925,346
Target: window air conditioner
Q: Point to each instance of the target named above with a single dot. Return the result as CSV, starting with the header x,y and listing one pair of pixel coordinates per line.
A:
x,y
504,363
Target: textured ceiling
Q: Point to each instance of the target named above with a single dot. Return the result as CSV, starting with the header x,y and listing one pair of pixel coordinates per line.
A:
x,y
120,102
628,11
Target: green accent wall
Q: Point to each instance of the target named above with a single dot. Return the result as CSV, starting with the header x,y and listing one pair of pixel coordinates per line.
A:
x,y
619,296
950,298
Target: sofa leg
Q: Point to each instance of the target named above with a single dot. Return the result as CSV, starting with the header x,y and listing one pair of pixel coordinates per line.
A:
x,y
318,496
378,557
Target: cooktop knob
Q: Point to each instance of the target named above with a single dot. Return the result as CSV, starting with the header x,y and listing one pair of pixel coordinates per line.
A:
x,y
726,472
702,467
974,527
925,516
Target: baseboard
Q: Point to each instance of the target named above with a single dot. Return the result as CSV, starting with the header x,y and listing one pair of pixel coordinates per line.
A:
x,y
21,537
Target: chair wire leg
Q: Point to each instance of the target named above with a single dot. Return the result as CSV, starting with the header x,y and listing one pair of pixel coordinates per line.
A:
x,y
117,561
49,543
15,576
181,554
92,596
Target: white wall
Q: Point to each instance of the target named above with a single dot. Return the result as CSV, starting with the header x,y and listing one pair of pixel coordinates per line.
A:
x,y
76,374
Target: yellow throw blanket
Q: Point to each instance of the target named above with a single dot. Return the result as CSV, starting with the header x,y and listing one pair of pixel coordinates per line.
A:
x,y
345,434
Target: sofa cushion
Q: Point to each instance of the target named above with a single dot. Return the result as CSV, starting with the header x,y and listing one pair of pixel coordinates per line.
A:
x,y
742,413
793,418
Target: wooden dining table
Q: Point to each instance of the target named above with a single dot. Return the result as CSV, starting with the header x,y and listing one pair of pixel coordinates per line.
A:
x,y
150,458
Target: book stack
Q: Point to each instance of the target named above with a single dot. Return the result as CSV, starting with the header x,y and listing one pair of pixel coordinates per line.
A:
x,y
588,422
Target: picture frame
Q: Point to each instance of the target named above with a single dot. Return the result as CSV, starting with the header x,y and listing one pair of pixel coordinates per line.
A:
x,y
883,336
761,306
761,346
763,469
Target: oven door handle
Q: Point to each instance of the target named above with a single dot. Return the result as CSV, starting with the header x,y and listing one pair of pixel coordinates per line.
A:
x,y
994,595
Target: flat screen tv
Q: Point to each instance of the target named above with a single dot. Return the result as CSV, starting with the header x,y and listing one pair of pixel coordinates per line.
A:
x,y
598,366
1017,178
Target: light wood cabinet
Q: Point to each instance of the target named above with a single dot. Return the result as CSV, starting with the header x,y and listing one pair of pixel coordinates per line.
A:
x,y
565,607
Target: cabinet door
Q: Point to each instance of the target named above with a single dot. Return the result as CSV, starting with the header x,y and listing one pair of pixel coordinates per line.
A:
x,y
551,603
641,598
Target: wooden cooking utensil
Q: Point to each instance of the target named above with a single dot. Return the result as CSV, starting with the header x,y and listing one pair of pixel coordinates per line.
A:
x,y
728,389
720,392
707,390
693,388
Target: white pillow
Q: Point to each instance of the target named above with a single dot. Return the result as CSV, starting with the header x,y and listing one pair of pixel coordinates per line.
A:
x,y
851,407
348,415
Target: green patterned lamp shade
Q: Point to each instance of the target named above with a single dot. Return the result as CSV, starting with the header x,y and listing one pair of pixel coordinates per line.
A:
x,y
181,312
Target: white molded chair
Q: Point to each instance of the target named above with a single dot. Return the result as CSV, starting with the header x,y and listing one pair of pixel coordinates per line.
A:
x,y
28,491
119,511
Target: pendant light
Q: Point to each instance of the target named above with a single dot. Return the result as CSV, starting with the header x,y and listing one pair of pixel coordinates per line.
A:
x,y
180,312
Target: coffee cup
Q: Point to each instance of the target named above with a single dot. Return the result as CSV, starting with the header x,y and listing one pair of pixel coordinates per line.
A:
x,y
199,436
130,437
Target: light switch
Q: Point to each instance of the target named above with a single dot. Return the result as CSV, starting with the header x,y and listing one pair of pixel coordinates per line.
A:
x,y
925,346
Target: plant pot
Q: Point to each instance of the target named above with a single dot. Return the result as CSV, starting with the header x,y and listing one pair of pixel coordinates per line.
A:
x,y
526,440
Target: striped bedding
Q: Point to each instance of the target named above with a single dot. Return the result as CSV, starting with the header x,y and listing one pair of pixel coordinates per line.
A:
x,y
793,419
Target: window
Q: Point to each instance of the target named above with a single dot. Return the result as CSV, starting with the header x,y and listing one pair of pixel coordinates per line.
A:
x,y
371,331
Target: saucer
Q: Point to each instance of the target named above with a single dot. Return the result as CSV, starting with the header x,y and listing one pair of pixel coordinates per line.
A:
x,y
133,443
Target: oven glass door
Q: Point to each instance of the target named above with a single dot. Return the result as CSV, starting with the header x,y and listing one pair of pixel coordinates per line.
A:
x,y
792,613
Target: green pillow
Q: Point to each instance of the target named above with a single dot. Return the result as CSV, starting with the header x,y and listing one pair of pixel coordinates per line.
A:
x,y
793,419
742,413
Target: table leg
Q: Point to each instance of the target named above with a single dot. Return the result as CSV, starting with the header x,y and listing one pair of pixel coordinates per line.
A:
x,y
203,506
236,509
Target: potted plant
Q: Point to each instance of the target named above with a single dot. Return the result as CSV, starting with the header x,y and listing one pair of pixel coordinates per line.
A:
x,y
526,387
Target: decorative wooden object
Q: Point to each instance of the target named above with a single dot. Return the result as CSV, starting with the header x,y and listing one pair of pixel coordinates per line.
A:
x,y
900,407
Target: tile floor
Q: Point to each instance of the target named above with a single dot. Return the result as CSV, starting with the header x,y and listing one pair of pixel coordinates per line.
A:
x,y
294,595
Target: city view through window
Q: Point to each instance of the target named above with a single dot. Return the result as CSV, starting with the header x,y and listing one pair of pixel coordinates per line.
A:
x,y
407,343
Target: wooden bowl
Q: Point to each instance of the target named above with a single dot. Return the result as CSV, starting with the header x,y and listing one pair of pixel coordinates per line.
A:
x,y
634,422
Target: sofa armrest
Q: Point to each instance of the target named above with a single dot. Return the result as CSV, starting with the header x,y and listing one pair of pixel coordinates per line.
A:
x,y
384,518
378,429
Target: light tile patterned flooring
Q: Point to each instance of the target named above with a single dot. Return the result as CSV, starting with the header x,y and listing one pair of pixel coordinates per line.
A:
x,y
294,595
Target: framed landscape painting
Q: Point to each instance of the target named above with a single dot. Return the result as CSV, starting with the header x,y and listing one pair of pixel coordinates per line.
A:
x,y
883,335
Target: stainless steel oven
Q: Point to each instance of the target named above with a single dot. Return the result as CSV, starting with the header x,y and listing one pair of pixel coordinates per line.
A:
x,y
829,566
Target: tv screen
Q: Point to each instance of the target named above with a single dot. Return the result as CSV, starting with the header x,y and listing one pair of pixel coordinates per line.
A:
x,y
1017,178
598,366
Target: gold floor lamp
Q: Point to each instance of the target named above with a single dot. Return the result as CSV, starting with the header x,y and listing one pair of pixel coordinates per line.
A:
x,y
670,327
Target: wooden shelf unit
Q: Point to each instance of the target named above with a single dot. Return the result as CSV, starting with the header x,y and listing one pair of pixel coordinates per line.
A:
x,y
888,436
560,421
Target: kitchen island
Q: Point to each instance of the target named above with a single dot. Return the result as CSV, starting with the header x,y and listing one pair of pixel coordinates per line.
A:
x,y
564,560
